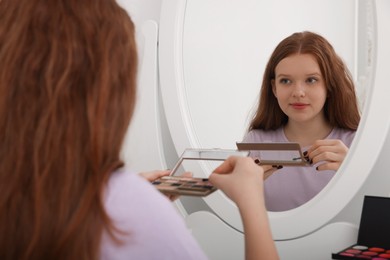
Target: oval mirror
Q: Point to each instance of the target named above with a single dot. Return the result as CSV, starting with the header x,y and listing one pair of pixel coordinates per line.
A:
x,y
212,55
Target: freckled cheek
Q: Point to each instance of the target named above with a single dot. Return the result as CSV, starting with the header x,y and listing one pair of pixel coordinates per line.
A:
x,y
283,98
283,104
321,98
320,93
318,102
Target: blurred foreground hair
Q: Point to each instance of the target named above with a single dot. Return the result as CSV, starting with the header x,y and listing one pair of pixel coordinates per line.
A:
x,y
67,93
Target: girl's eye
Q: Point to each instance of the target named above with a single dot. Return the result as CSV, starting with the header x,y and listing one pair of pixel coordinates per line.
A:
x,y
285,81
311,80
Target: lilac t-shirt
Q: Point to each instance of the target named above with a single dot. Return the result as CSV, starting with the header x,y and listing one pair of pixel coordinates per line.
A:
x,y
155,228
293,186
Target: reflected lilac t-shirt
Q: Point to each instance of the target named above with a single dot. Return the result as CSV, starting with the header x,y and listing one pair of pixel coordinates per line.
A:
x,y
293,186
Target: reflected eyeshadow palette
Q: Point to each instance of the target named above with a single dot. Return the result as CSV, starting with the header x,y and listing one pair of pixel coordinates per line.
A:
x,y
177,185
374,232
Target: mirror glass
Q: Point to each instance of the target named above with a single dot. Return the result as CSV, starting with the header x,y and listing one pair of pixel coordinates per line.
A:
x,y
226,45
226,48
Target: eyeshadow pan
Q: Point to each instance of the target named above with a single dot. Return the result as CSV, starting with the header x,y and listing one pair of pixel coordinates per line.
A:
x,y
176,185
353,251
360,247
370,253
376,249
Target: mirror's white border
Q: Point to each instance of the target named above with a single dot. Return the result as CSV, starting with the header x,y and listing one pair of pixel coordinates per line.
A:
x,y
171,74
359,162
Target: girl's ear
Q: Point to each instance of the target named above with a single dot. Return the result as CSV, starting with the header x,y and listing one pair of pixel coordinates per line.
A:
x,y
273,87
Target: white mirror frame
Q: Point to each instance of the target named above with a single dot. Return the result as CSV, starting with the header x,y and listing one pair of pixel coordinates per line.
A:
x,y
351,176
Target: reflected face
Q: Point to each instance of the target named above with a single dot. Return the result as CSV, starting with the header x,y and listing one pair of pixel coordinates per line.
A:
x,y
300,88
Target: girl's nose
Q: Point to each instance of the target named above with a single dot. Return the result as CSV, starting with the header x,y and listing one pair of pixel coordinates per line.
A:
x,y
299,90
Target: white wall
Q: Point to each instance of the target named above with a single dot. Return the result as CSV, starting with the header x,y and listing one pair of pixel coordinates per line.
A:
x,y
142,141
141,11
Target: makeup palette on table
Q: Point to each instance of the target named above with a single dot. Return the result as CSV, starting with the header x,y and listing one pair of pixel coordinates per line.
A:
x,y
374,232
197,162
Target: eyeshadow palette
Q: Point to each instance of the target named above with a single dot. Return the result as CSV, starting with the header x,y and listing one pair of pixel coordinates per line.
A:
x,y
176,185
373,237
363,252
190,162
288,154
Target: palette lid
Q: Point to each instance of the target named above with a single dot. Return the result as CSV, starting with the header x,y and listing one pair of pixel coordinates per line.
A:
x,y
374,227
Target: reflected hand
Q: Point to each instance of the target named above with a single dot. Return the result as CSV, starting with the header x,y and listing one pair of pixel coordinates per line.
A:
x,y
268,169
331,152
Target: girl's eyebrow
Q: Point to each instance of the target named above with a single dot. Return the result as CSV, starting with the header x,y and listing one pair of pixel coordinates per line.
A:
x,y
315,74
282,75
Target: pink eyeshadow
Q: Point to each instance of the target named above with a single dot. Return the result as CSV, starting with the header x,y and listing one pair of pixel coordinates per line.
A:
x,y
359,252
370,253
353,251
376,249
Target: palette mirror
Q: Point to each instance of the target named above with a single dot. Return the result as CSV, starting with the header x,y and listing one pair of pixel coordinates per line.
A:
x,y
212,56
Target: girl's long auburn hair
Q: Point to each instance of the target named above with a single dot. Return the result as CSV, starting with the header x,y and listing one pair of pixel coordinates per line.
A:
x,y
67,93
341,107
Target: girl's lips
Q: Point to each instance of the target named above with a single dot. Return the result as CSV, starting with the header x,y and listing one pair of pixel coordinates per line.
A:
x,y
299,105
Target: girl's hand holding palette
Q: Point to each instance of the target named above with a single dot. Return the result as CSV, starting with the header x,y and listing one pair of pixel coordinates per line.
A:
x,y
190,161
